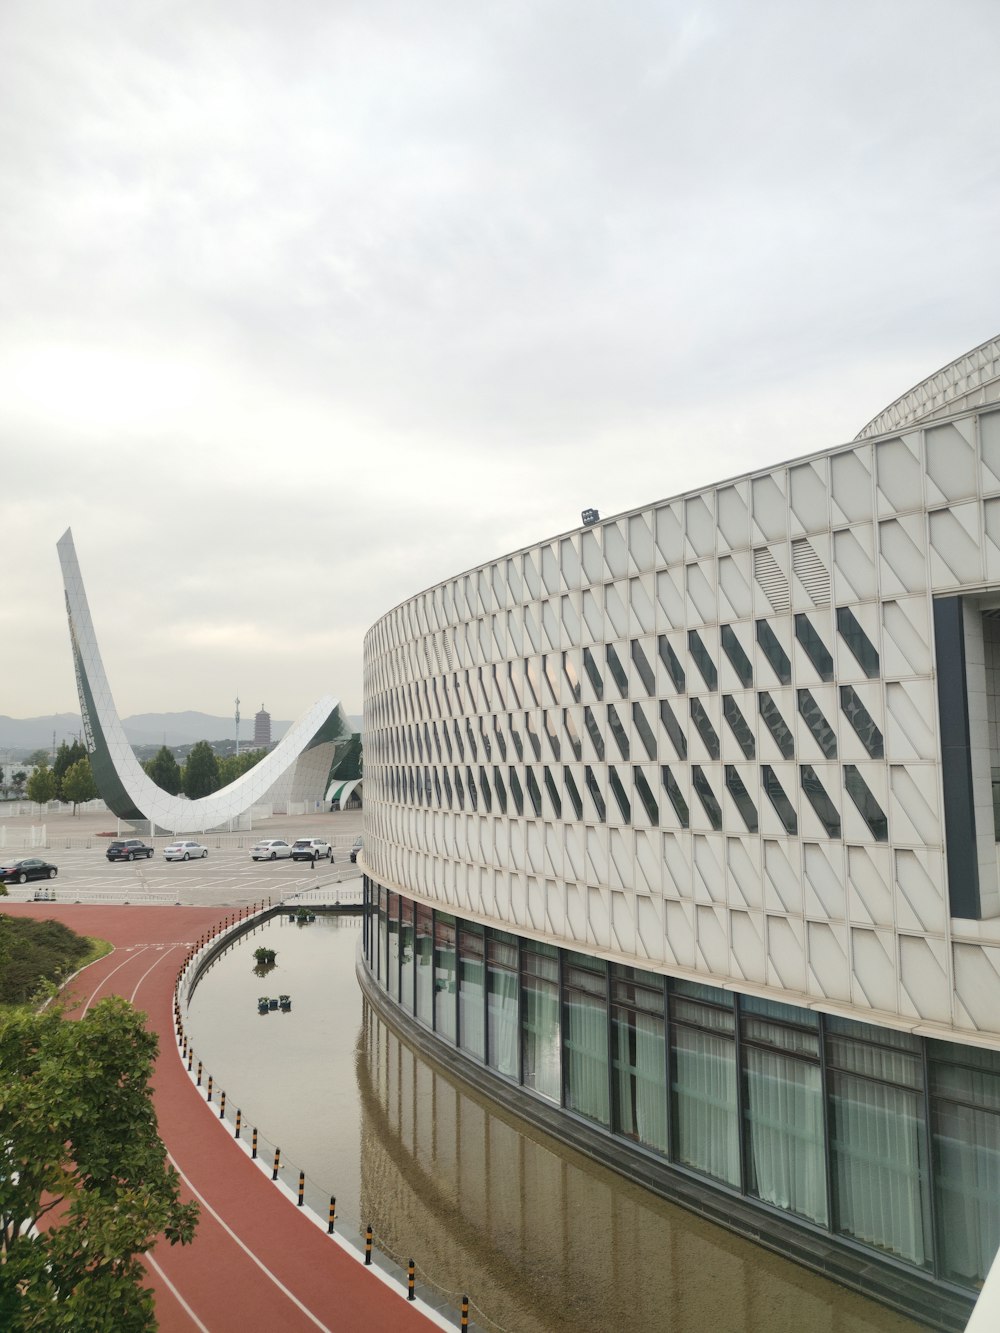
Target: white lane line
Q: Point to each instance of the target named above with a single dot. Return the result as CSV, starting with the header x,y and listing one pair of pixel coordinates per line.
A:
x,y
176,1294
246,1249
105,979
167,951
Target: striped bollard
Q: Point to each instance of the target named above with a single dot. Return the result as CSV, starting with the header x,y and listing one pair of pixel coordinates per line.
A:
x,y
200,1063
190,1057
254,1150
222,1107
368,1246
411,1280
239,1122
465,1312
333,1215
210,1087
277,1159
302,1188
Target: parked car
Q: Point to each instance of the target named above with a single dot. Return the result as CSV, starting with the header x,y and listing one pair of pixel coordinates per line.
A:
x,y
127,849
184,851
311,849
358,844
29,867
270,849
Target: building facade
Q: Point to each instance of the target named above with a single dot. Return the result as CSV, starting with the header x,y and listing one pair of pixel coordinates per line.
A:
x,y
680,831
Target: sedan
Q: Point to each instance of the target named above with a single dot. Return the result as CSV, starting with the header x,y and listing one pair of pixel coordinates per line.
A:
x,y
183,851
19,872
270,849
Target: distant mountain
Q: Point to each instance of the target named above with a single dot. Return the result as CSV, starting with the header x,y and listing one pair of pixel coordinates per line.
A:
x,y
35,733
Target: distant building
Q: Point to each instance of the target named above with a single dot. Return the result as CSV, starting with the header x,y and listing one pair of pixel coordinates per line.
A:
x,y
262,729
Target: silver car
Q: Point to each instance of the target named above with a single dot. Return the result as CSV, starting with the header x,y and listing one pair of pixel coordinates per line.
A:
x,y
184,851
270,849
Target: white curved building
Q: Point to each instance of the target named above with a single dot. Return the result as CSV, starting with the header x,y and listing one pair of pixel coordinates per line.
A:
x,y
294,772
682,835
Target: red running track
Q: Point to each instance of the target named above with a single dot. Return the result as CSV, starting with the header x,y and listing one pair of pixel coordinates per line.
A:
x,y
257,1262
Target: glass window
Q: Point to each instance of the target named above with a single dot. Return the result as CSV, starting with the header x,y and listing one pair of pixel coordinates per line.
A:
x,y
857,640
820,801
473,794
515,790
425,964
595,793
707,796
618,672
644,730
585,1036
593,731
575,744
569,670
498,736
738,725
573,792
407,966
502,1017
533,681
702,659
618,731
514,676
673,729
445,979
393,945
534,795
877,1139
540,1018
816,649
870,810
500,790
593,673
618,791
675,796
733,649
862,721
773,651
706,731
471,994
646,796
965,1130
638,1054
703,1087
776,795
671,661
484,790
776,725
821,730
553,792
532,734
741,797
447,786
552,732
645,671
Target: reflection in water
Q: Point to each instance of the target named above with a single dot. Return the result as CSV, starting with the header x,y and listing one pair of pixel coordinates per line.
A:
x,y
542,1239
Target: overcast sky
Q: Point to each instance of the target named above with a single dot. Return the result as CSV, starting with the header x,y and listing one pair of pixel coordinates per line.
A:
x,y
308,307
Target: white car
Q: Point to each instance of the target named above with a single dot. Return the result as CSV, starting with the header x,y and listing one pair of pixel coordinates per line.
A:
x,y
184,851
311,849
270,849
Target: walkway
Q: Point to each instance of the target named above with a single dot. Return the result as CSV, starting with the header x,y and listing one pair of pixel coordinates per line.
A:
x,y
257,1262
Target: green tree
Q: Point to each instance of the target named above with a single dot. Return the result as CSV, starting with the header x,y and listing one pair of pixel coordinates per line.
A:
x,y
201,772
78,783
66,757
42,785
83,1162
18,780
165,771
233,766
39,757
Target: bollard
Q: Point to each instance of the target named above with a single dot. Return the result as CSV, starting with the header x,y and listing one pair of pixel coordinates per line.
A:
x,y
302,1188
277,1159
333,1215
184,1049
190,1057
210,1087
222,1107
239,1121
465,1312
199,1073
411,1294
254,1152
368,1246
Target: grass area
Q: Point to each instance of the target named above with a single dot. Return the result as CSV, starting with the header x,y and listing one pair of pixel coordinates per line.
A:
x,y
34,954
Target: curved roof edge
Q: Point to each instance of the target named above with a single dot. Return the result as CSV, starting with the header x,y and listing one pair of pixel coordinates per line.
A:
x,y
962,383
123,783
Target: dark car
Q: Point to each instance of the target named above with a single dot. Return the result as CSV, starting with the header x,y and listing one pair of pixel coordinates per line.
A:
x,y
127,849
356,848
19,872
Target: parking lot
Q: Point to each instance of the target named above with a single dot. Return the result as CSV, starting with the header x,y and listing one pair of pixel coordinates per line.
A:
x,y
226,877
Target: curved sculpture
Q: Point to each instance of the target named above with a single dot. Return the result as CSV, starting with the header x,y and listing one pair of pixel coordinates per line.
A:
x,y
295,770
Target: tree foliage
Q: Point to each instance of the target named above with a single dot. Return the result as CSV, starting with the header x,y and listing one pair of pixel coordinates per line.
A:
x,y
34,952
233,766
66,757
18,780
85,1187
78,783
201,772
165,771
39,757
42,785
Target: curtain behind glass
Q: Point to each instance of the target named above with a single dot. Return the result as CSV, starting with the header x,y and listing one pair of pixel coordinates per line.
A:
x,y
640,1078
967,1174
587,1057
785,1132
705,1100
502,1020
